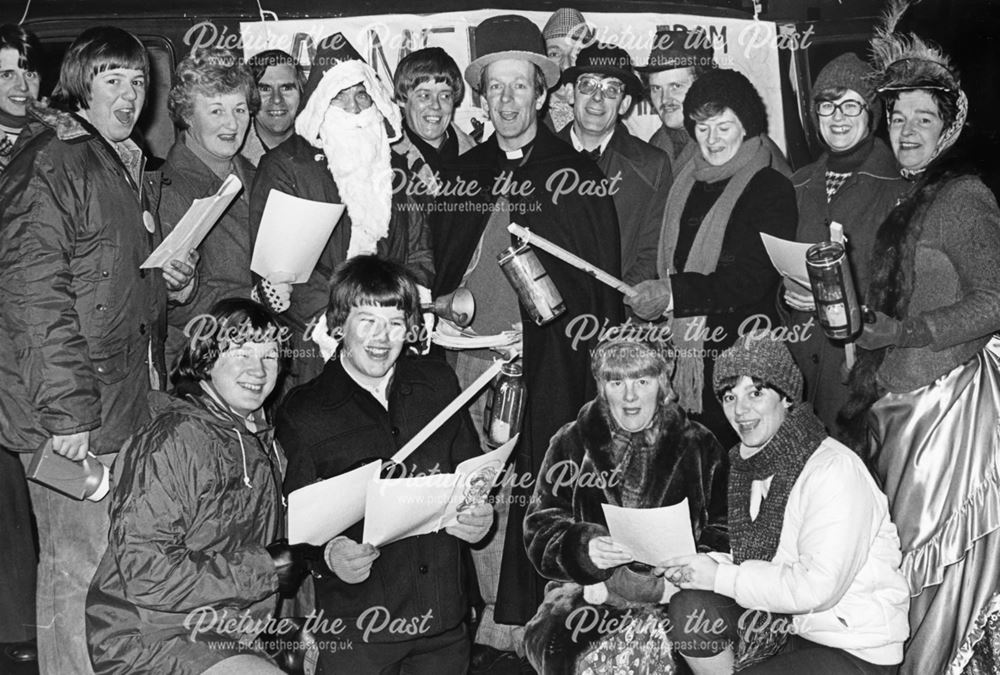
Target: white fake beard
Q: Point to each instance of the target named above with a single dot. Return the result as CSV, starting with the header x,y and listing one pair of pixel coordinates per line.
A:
x,y
357,153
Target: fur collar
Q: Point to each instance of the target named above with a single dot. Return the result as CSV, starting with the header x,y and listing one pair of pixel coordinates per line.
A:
x,y
892,272
68,127
675,437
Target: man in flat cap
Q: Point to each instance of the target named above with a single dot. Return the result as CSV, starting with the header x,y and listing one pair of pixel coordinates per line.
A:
x,y
524,174
604,88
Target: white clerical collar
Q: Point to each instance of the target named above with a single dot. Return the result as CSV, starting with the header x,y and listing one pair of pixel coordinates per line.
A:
x,y
514,154
578,145
380,390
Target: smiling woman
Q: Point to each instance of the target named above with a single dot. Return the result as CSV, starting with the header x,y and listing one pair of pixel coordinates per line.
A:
x,y
212,103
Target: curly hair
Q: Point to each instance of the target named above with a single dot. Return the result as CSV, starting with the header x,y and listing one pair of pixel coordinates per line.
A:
x,y
212,71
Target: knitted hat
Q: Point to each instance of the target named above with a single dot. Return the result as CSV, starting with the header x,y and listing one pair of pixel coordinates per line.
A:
x,y
732,90
848,71
608,60
762,356
509,36
680,48
566,21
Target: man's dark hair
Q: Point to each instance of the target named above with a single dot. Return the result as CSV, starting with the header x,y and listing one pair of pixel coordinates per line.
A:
x,y
371,280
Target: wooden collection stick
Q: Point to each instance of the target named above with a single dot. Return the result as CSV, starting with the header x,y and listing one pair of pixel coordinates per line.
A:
x,y
460,401
574,260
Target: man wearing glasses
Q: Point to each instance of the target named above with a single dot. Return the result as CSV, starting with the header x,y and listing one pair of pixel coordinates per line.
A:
x,y
604,88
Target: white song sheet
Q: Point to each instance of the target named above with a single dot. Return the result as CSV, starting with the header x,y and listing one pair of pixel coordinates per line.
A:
x,y
789,258
397,508
293,233
194,225
652,535
319,512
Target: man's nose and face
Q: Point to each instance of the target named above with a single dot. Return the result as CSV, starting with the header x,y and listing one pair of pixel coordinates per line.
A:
x,y
279,98
352,99
512,102
598,102
667,90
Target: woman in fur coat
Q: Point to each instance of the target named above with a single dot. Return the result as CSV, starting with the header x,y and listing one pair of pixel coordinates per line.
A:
x,y
634,447
925,383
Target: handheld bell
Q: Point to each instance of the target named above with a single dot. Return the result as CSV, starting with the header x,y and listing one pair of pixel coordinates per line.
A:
x,y
458,307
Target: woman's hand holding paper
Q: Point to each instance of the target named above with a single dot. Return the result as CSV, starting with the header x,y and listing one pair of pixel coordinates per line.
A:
x,y
605,553
349,560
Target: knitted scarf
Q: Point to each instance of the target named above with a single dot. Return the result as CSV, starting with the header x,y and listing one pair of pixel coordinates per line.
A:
x,y
783,457
632,451
757,539
753,155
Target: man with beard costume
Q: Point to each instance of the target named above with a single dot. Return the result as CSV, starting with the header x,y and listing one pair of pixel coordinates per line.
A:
x,y
340,154
512,75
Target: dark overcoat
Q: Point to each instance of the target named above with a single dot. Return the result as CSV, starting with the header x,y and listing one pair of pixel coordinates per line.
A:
x,y
328,426
556,371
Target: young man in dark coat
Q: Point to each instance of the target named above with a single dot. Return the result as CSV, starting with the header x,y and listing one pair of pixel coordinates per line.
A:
x,y
369,401
81,326
604,88
526,175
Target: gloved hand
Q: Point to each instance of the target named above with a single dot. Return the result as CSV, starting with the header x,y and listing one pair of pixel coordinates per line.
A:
x,y
289,564
798,297
349,560
652,298
881,330
277,296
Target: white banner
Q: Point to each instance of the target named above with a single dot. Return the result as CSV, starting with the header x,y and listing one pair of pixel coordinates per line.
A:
x,y
748,46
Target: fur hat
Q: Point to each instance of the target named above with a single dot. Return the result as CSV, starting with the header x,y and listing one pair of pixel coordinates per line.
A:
x,y
732,90
566,21
509,36
762,356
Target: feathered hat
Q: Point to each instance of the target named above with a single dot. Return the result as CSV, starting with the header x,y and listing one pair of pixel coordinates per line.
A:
x,y
905,61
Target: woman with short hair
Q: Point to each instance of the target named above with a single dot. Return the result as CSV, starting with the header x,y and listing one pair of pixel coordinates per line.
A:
x,y
632,447
713,269
194,562
211,103
813,582
925,392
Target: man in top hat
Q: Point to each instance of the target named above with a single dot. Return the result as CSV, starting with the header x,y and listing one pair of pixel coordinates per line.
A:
x,y
604,88
340,154
279,81
524,174
677,58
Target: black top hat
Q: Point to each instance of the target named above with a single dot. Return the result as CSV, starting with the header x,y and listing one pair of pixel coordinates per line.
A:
x,y
509,37
606,59
680,48
332,50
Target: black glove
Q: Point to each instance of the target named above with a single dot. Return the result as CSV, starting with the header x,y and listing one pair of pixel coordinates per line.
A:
x,y
290,564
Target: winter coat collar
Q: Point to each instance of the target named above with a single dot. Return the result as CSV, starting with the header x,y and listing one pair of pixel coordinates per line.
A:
x,y
335,387
203,407
675,437
182,164
68,127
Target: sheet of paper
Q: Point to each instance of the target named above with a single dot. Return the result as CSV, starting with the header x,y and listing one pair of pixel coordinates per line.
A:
x,y
458,342
319,512
788,257
194,225
652,535
397,508
293,233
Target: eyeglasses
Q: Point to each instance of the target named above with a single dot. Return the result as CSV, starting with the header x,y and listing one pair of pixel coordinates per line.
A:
x,y
848,108
609,88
